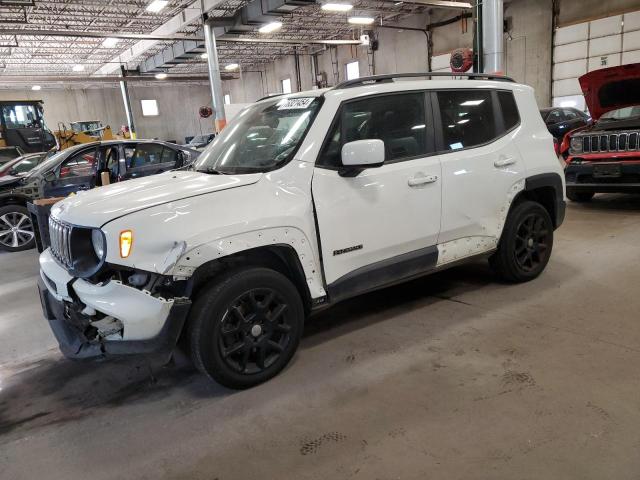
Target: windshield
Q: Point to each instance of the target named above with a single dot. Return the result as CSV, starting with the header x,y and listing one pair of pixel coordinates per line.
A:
x,y
622,113
22,164
50,162
262,137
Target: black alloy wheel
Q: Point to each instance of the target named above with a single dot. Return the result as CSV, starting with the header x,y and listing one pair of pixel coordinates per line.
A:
x,y
532,242
245,326
255,331
525,244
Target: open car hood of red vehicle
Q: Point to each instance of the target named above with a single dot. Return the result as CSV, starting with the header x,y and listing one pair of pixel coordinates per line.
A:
x,y
611,88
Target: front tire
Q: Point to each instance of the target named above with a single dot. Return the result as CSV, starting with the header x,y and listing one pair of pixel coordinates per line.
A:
x,y
245,327
579,197
16,229
526,243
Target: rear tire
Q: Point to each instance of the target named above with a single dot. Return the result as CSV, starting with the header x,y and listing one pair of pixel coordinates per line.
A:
x,y
579,197
245,327
16,229
526,243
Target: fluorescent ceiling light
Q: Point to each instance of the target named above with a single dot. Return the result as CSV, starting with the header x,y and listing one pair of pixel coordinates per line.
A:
x,y
110,42
270,27
161,76
78,68
460,122
336,7
157,5
205,55
36,87
231,66
471,103
361,20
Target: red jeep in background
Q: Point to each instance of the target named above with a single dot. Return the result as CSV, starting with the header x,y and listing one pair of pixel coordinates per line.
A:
x,y
605,156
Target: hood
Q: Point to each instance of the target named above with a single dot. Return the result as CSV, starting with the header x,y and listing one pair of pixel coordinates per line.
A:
x,y
9,181
94,208
611,88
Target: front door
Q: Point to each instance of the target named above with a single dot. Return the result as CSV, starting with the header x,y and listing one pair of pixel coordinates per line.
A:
x,y
382,224
78,172
144,159
481,166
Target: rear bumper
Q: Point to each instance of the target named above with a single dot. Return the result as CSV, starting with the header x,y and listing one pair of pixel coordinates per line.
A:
x,y
580,178
150,325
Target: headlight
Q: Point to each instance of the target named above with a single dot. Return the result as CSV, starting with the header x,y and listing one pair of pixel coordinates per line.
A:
x,y
576,144
126,242
97,239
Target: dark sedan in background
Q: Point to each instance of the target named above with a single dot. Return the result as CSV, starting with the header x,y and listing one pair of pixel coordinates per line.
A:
x,y
80,168
560,120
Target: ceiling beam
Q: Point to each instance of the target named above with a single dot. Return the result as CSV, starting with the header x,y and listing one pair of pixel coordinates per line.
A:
x,y
144,37
440,3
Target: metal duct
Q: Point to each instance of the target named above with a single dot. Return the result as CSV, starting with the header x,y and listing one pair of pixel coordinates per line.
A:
x,y
492,36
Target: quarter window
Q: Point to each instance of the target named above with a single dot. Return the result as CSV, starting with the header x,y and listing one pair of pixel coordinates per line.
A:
x,y
467,118
398,120
509,110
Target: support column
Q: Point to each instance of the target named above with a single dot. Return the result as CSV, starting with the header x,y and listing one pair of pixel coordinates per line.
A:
x,y
492,36
214,76
127,104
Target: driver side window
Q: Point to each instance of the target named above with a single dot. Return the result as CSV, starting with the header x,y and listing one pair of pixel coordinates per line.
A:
x,y
398,120
81,164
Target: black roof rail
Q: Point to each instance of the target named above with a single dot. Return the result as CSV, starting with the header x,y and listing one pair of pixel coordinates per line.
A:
x,y
391,76
271,95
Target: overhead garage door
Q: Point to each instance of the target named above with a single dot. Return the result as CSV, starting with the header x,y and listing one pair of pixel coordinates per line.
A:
x,y
588,46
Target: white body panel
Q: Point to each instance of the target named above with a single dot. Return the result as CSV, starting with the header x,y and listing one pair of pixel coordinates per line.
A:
x,y
377,210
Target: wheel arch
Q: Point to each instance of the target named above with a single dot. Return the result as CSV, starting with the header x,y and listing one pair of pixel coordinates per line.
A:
x,y
547,189
279,257
14,199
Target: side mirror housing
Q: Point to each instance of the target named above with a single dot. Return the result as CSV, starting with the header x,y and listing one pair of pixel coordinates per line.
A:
x,y
361,154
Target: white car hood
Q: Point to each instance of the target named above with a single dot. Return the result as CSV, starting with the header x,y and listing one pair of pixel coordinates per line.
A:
x,y
96,207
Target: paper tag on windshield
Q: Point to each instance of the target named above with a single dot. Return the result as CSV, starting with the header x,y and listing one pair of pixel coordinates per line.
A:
x,y
295,103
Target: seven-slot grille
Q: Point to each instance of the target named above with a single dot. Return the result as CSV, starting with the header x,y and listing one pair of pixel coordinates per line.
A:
x,y
617,142
60,236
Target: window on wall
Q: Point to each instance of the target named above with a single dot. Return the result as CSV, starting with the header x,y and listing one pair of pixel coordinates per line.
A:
x,y
227,99
353,70
149,108
286,85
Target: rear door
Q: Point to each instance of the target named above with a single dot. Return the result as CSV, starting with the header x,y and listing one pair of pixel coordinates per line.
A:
x,y
144,159
480,165
78,172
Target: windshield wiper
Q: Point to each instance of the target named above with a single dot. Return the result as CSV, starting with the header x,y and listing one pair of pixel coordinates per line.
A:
x,y
211,171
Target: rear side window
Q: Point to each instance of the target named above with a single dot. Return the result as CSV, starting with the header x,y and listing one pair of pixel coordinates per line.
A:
x,y
467,118
398,120
143,154
509,109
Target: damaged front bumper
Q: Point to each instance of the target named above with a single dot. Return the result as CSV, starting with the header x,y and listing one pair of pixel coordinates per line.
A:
x,y
82,315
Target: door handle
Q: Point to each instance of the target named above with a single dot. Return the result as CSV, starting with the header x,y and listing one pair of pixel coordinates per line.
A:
x,y
422,180
504,161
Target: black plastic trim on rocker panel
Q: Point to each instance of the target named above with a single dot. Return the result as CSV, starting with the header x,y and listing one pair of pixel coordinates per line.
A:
x,y
384,273
550,180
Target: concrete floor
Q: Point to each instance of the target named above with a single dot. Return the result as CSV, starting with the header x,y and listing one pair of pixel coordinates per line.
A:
x,y
453,376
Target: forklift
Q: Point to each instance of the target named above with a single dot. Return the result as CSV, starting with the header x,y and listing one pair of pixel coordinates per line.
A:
x,y
22,126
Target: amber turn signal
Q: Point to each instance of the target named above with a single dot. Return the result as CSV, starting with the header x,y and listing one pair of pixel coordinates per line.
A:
x,y
126,242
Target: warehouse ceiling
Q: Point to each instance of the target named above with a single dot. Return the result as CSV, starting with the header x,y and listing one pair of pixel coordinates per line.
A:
x,y
31,44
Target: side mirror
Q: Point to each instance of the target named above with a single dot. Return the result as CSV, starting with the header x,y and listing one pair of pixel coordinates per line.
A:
x,y
361,154
181,159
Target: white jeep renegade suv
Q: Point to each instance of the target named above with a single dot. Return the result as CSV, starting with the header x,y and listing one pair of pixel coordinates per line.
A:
x,y
302,201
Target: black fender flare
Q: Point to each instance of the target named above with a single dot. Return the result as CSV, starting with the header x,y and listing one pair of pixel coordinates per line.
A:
x,y
554,181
